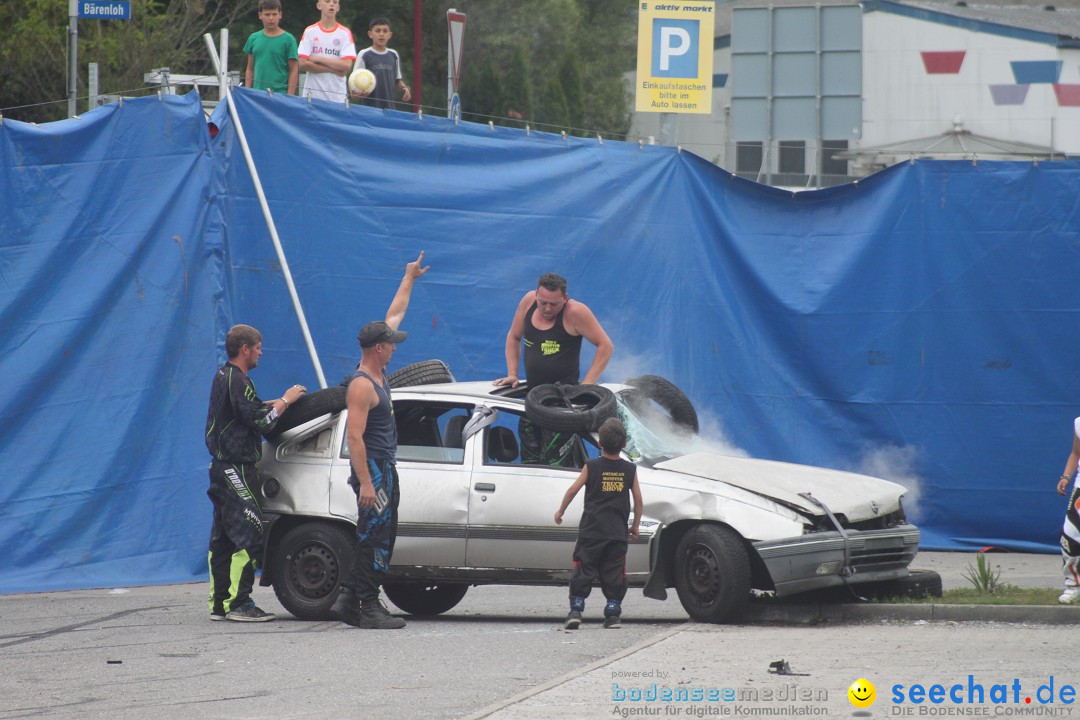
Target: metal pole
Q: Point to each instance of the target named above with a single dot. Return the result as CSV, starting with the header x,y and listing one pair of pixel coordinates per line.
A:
x,y
73,55
223,83
449,63
418,45
669,129
92,86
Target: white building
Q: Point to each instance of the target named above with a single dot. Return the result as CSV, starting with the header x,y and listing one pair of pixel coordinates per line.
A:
x,y
795,83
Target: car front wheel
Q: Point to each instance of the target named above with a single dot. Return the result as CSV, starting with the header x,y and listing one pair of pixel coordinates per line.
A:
x,y
309,565
712,574
420,599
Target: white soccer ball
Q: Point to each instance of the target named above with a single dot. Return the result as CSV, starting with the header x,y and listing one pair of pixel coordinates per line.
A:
x,y
362,81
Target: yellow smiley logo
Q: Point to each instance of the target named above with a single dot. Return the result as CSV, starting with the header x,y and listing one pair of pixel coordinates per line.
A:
x,y
862,693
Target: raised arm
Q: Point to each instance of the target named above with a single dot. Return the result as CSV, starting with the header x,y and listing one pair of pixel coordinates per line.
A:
x,y
400,303
584,323
513,342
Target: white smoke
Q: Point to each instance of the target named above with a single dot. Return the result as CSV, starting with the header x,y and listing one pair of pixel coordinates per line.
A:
x,y
895,463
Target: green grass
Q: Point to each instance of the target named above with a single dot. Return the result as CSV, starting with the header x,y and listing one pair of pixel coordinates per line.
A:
x,y
1005,595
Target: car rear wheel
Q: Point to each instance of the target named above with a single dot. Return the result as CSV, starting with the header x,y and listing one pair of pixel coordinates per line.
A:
x,y
310,562
420,599
712,574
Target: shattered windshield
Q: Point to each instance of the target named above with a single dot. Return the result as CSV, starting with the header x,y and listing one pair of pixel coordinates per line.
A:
x,y
652,437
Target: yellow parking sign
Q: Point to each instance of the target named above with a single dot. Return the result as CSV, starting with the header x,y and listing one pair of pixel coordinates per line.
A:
x,y
675,56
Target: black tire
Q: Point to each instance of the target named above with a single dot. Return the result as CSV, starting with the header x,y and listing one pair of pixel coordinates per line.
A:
x,y
589,407
665,394
309,565
420,599
425,372
310,406
712,574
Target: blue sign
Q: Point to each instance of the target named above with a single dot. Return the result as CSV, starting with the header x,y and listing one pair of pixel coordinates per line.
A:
x,y
674,48
105,9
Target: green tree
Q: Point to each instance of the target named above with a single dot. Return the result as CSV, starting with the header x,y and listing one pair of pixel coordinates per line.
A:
x,y
517,89
551,106
570,79
161,33
482,93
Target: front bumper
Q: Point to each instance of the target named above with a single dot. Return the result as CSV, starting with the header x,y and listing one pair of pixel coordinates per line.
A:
x,y
817,560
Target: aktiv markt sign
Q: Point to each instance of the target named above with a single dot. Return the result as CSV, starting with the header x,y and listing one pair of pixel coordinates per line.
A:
x,y
675,56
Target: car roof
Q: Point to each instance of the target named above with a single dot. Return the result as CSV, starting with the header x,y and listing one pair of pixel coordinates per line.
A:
x,y
477,390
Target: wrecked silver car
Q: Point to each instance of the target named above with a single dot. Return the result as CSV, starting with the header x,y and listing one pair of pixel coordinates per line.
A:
x,y
715,527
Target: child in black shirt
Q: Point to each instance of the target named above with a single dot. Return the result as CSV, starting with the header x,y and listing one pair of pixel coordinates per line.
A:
x,y
609,481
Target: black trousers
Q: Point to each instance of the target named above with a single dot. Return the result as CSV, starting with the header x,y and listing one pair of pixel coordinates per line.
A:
x,y
236,536
603,559
376,531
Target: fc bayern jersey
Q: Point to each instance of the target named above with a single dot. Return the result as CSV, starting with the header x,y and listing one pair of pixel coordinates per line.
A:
x,y
336,43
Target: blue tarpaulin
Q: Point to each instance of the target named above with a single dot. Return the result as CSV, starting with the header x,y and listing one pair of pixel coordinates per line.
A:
x,y
915,325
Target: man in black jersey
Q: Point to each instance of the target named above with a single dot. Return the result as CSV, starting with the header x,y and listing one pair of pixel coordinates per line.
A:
x,y
609,482
371,433
552,326
235,420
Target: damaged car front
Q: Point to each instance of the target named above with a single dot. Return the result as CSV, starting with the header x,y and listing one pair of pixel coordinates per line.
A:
x,y
801,528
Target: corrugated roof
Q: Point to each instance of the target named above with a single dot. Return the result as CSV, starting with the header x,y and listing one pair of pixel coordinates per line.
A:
x,y
954,144
1062,21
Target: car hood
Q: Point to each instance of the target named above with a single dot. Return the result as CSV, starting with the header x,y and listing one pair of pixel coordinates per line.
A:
x,y
857,497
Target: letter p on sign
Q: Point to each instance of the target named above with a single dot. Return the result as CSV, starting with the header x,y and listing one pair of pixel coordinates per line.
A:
x,y
673,51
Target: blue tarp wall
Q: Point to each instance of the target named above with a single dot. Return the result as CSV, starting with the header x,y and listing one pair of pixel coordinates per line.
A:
x,y
917,325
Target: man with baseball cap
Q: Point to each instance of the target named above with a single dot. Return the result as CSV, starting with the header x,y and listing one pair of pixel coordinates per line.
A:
x,y
371,433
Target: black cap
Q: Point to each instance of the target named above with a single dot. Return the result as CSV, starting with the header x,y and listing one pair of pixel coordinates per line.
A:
x,y
379,332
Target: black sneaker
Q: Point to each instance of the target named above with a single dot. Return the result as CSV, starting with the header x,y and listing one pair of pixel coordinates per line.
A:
x,y
249,612
345,605
612,622
217,616
374,616
573,620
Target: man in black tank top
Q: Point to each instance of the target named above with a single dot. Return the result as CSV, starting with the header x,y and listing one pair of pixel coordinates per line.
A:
x,y
371,433
552,326
609,483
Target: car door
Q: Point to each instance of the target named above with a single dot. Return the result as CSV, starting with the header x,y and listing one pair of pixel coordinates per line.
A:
x,y
512,505
434,508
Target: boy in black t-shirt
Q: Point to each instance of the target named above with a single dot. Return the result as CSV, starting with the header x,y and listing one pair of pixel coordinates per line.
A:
x,y
609,481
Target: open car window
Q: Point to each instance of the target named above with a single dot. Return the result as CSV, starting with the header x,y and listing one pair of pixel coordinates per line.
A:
x,y
315,443
513,440
428,432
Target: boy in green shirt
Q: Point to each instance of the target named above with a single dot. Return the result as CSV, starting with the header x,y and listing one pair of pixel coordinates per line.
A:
x,y
272,60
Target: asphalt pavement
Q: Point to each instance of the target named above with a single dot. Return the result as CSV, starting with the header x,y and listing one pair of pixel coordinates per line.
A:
x,y
792,660
503,654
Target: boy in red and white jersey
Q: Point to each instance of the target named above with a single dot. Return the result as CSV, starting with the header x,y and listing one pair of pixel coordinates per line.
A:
x,y
326,54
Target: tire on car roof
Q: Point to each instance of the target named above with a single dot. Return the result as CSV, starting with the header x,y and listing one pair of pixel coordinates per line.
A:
x,y
425,372
332,399
570,408
308,407
665,394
